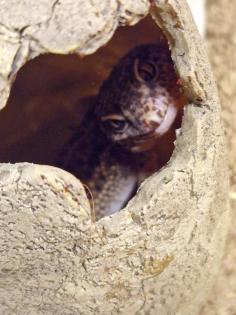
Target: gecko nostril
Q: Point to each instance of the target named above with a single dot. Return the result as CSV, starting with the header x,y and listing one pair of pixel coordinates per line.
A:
x,y
162,111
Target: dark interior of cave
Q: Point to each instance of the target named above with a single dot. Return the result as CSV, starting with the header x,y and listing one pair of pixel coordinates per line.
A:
x,y
51,94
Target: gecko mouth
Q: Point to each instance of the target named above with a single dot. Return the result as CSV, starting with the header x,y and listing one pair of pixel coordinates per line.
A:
x,y
143,144
140,143
147,141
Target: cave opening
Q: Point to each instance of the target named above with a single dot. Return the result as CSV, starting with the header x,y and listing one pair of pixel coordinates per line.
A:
x,y
54,95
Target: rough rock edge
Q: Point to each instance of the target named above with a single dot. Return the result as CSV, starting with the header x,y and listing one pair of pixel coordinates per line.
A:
x,y
164,247
26,38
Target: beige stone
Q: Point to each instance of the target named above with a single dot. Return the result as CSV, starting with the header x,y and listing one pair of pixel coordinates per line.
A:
x,y
222,49
159,255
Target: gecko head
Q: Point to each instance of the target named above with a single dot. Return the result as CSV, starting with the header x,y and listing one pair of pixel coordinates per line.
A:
x,y
139,101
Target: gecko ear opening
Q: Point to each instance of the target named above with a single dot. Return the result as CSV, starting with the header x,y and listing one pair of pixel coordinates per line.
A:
x,y
145,71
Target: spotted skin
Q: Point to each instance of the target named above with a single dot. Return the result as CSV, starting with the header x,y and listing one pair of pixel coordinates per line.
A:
x,y
100,165
143,92
115,146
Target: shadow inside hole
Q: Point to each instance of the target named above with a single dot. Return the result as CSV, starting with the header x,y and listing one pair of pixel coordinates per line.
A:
x,y
52,93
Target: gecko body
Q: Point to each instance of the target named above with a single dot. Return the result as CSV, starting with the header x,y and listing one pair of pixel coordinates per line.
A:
x,y
115,145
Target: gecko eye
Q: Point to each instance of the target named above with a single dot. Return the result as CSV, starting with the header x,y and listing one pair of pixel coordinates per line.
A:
x,y
114,122
117,126
145,71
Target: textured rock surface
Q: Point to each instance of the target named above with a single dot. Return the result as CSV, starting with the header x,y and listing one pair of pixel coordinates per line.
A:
x,y
164,249
222,49
30,28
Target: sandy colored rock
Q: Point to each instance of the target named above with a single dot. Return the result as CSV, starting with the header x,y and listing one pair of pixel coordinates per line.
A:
x,y
30,28
222,48
160,252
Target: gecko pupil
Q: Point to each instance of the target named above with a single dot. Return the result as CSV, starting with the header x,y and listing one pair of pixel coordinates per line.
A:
x,y
117,125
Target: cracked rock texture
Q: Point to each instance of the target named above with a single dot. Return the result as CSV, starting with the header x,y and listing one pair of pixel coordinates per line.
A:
x,y
29,28
164,249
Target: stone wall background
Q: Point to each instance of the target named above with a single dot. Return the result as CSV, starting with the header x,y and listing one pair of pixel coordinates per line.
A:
x,y
221,38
